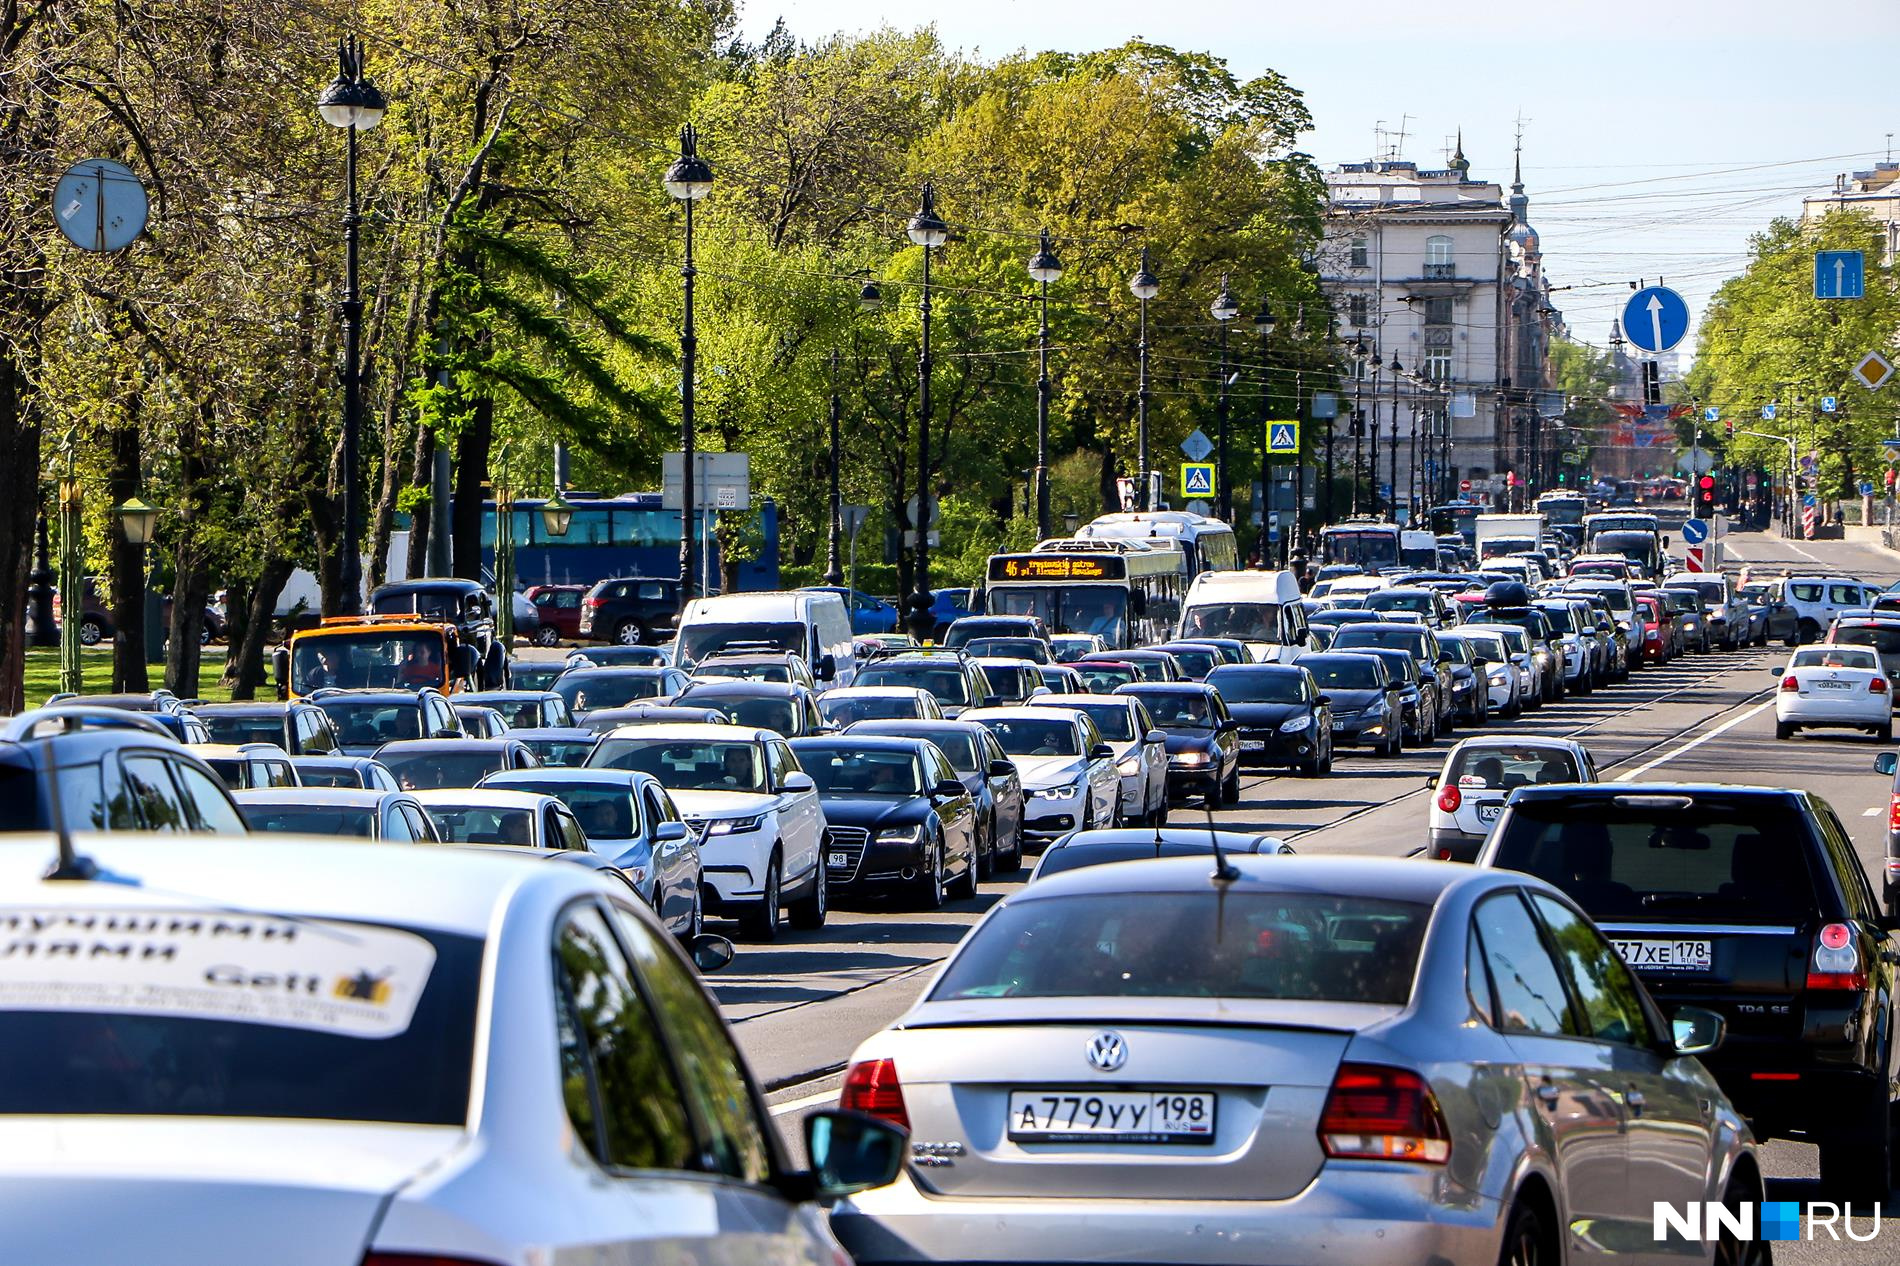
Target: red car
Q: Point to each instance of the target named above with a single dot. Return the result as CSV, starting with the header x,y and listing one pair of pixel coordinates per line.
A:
x,y
1660,631
559,607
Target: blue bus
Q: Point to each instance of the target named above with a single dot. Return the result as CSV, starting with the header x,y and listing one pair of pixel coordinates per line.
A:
x,y
627,535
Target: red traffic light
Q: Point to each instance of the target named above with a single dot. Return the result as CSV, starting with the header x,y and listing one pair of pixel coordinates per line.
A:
x,y
1708,482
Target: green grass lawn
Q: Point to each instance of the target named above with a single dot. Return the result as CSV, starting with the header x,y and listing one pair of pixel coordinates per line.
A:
x,y
42,673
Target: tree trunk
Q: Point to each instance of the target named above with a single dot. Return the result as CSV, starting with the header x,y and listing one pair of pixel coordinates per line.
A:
x,y
421,475
123,479
259,627
471,470
191,585
394,465
19,495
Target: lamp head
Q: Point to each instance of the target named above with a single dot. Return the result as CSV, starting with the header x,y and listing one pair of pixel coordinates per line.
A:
x,y
350,100
925,228
1043,265
690,178
1144,284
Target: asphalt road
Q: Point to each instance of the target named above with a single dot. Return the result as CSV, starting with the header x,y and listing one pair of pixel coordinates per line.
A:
x,y
801,1006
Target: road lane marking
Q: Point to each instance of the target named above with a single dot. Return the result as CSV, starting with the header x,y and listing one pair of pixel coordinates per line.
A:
x,y
1694,743
799,1105
1870,813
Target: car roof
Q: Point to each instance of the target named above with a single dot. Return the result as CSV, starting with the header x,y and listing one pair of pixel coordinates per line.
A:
x,y
873,692
867,742
1009,661
1075,700
1613,790
330,760
254,708
1406,879
447,889
580,672
231,751
483,798
1519,740
940,725
402,746
1232,669
316,797
413,697
566,773
1027,712
573,732
503,696
693,730
740,686
425,584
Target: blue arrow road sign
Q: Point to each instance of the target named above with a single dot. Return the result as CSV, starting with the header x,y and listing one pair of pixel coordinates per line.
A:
x,y
1694,531
1711,414
1840,275
1866,488
1768,413
1829,404
1655,319
1197,479
1806,501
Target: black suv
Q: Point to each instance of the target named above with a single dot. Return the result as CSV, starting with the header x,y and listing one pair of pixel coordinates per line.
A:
x,y
302,729
1750,902
115,771
630,609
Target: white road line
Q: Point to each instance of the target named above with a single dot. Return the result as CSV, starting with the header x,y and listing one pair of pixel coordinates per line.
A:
x,y
799,1105
1870,813
1694,743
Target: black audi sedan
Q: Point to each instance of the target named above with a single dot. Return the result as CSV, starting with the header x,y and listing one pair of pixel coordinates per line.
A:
x,y
1203,741
1365,700
1284,717
896,814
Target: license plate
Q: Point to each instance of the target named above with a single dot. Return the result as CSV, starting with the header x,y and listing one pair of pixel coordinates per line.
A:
x,y
1253,745
1489,812
1667,955
1339,725
838,861
1111,1116
1834,685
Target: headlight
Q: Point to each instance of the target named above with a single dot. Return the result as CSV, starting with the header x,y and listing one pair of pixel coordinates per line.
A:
x,y
734,826
899,835
1293,725
1191,758
1066,791
1129,767
1499,677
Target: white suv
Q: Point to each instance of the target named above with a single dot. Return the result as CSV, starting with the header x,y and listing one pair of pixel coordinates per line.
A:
x,y
754,812
1816,600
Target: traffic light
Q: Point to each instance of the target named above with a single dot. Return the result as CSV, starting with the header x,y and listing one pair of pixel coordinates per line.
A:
x,y
1652,383
1730,425
1706,494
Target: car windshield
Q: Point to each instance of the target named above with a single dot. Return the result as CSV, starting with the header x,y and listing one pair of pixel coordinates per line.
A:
x,y
1733,859
1194,661
1028,648
521,714
967,633
1388,600
697,641
1007,684
847,709
328,776
1503,766
359,1052
1346,672
482,824
780,715
433,604
944,681
226,728
1303,947
1248,621
298,819
1456,647
1034,736
1253,685
963,749
687,764
440,767
1179,710
1833,657
860,772
560,753
1559,619
1101,679
589,690
1098,609
605,812
1492,648
367,659
1885,639
1116,721
362,724
535,676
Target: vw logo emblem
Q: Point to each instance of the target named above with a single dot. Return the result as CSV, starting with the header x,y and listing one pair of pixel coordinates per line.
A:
x,y
1107,1052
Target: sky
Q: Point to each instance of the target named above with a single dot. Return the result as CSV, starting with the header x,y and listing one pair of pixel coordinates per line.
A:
x,y
1656,137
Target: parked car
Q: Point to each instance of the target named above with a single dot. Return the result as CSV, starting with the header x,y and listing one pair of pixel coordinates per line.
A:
x,y
362,773
244,766
947,606
896,816
465,604
522,709
587,690
1833,686
535,674
607,720
1149,665
1470,691
1203,739
1507,686
1368,706
850,704
558,608
1141,751
471,815
785,667
429,764
1345,1058
112,771
362,814
367,719
479,722
1879,633
1479,775
766,705
1034,649
1816,600
1011,681
988,774
558,747
1783,625
630,610
1060,679
619,656
1727,613
1069,647
1284,718
1433,666
302,729
952,677
1746,901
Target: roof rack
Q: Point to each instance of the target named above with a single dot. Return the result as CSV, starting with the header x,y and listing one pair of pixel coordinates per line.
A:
x,y
73,718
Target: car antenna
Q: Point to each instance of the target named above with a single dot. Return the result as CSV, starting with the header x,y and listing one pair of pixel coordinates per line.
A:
x,y
70,864
1225,872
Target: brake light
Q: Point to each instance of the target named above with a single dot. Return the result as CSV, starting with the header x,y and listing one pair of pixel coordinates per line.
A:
x,y
1893,822
871,1087
1789,683
1449,799
1836,962
1378,1113
596,603
1878,686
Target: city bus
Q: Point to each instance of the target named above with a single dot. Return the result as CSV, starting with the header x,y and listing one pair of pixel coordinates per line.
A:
x,y
1364,543
1206,544
626,535
1127,591
1564,512
1458,516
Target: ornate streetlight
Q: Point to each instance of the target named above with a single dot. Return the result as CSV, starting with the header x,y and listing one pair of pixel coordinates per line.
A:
x,y
687,181
1044,268
1224,309
929,232
1144,286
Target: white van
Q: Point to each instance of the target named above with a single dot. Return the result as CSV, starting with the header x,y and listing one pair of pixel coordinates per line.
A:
x,y
814,625
1261,608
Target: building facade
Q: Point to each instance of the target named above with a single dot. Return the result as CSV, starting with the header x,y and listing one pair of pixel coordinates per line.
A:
x,y
1874,194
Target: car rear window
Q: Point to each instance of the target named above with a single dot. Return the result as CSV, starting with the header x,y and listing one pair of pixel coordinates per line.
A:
x,y
1667,858
1503,766
431,770
297,819
244,729
1885,641
1833,657
1307,947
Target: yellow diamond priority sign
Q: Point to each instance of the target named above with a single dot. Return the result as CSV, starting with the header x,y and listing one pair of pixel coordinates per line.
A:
x,y
1873,371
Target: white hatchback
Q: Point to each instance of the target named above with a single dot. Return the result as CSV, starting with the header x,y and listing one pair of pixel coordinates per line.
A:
x,y
1839,686
1480,774
374,1054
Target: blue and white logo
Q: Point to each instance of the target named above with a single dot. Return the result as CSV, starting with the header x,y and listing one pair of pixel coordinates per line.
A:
x,y
1655,319
1768,413
1829,404
1711,414
1779,1220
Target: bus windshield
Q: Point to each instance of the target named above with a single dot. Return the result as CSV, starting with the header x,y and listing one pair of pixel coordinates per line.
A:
x,y
1370,548
367,659
1097,609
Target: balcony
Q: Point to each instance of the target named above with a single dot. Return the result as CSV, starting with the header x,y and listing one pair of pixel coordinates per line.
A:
x,y
1441,272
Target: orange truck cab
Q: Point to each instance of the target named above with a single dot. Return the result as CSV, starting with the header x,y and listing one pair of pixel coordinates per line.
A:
x,y
377,652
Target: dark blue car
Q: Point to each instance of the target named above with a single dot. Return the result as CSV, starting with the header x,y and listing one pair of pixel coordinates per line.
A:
x,y
868,614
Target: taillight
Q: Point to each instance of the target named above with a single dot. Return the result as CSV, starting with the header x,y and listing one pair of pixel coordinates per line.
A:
x,y
1893,819
1378,1113
1789,683
597,603
1878,686
1836,962
872,1087
1449,799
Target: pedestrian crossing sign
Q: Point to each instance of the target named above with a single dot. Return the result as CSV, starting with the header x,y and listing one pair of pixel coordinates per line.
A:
x,y
1283,439
1197,479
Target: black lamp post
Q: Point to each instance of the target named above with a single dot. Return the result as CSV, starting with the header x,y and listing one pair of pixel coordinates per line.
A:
x,y
1223,310
1044,268
39,589
1372,466
1358,415
688,180
1144,286
1392,458
929,232
1263,323
354,104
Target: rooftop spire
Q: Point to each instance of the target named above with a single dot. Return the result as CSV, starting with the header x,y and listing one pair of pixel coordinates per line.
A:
x,y
1459,163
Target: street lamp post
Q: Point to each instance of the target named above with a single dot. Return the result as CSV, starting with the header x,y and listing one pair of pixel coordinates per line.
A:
x,y
1263,323
1358,414
39,588
354,104
930,232
137,522
1372,466
870,299
688,180
71,577
504,553
1393,457
1044,268
1223,310
1144,286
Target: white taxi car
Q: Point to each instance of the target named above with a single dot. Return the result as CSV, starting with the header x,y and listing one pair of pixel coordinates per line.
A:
x,y
1480,774
372,1055
1840,686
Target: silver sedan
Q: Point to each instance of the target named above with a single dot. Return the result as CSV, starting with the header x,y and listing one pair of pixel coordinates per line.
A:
x,y
1292,1059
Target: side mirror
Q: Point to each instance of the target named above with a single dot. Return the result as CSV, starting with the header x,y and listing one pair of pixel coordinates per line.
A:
x,y
1774,671
442,734
1885,763
1002,769
468,661
280,666
1154,736
852,1152
948,789
1101,751
1697,1031
1325,700
827,668
709,952
669,832
992,701
1444,660
1665,542
1395,687
1432,781
1040,691
798,780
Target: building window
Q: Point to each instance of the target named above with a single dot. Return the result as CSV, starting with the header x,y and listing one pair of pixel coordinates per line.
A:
x,y
1438,364
1359,253
1438,310
1356,310
1438,261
